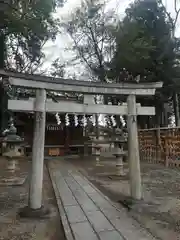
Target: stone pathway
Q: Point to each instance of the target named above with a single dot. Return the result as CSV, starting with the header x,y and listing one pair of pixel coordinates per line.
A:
x,y
86,213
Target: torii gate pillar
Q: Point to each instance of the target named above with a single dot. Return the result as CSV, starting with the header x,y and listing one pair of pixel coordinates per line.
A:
x,y
35,208
133,150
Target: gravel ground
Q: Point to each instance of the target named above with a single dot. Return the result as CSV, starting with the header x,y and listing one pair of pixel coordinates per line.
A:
x,y
12,227
160,210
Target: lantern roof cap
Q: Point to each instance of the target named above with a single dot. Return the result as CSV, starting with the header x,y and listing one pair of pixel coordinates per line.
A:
x,y
11,135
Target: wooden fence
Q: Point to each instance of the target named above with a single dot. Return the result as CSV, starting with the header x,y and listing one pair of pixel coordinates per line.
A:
x,y
160,145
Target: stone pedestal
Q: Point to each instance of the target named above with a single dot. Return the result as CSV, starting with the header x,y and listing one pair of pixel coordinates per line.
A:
x,y
39,213
119,162
12,165
119,165
12,175
119,152
97,154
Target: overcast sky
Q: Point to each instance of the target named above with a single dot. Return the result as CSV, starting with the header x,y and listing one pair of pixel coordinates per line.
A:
x,y
55,49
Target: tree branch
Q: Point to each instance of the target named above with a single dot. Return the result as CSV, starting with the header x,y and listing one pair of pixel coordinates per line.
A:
x,y
177,13
175,6
81,55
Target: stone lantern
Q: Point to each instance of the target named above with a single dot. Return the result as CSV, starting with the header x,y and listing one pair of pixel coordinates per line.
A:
x,y
97,152
119,141
12,152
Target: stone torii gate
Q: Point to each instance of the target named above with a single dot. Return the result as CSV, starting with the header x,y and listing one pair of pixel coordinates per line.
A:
x,y
40,106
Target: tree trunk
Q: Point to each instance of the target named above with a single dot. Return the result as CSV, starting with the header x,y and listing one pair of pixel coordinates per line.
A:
x,y
176,109
158,116
141,120
2,50
166,122
118,121
97,126
96,122
3,95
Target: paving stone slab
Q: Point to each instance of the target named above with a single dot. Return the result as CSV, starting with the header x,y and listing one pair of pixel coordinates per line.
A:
x,y
110,235
99,221
65,193
68,200
56,191
86,203
82,198
72,183
111,212
79,179
83,231
75,214
99,200
62,186
56,173
129,231
65,223
83,184
88,206
88,189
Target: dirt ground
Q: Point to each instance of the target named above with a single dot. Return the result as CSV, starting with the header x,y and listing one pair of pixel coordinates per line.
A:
x,y
13,198
159,211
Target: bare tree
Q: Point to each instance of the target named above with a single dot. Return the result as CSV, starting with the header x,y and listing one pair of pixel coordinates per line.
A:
x,y
88,29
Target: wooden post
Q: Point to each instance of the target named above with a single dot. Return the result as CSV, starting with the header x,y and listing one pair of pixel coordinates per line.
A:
x,y
158,144
133,150
166,151
85,140
67,139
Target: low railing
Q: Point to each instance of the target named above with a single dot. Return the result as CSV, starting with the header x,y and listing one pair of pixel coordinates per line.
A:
x,y
160,145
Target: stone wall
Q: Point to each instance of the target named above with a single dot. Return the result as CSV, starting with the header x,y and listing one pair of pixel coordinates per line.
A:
x,y
160,145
